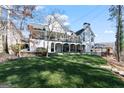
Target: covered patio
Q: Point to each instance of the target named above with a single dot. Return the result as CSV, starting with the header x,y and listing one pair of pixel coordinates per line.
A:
x,y
67,47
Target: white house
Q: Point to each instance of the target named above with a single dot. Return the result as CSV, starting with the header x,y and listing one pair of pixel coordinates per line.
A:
x,y
61,40
87,37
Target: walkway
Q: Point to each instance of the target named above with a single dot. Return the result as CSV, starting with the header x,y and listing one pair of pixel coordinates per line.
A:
x,y
115,66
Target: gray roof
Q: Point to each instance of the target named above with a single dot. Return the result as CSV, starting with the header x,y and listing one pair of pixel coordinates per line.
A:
x,y
80,31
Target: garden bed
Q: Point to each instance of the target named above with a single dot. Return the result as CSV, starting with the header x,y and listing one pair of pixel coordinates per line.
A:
x,y
32,54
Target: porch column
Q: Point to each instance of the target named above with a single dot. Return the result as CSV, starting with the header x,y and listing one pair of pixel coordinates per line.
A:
x,y
81,48
62,48
69,47
54,47
75,48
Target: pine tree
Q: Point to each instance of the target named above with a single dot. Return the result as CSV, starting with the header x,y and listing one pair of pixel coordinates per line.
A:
x,y
116,14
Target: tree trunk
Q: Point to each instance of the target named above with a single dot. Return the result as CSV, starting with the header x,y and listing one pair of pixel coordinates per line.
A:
x,y
47,54
21,23
6,45
119,28
47,48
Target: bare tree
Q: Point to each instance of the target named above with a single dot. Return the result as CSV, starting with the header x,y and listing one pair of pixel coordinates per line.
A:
x,y
51,20
3,29
20,14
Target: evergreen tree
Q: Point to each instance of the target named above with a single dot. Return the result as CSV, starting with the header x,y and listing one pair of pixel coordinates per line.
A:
x,y
116,14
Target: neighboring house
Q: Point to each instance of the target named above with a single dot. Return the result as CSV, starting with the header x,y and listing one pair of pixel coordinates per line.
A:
x,y
3,29
14,36
104,48
9,35
61,40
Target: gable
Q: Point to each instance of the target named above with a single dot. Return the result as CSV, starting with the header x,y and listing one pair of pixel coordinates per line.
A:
x,y
85,30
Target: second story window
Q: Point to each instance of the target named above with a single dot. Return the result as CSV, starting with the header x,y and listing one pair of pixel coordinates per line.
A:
x,y
92,39
83,38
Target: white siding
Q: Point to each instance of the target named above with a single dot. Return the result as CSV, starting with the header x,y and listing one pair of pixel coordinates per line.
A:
x,y
87,35
34,44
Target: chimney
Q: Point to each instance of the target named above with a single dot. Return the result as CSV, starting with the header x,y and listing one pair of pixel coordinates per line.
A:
x,y
86,25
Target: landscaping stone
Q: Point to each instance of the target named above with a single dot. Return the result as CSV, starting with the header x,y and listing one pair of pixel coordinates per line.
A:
x,y
115,69
106,67
121,73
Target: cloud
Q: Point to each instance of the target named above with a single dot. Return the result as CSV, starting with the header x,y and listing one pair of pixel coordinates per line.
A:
x,y
39,7
109,32
64,17
66,23
61,17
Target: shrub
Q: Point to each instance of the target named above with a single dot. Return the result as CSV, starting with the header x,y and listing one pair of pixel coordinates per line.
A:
x,y
41,49
16,48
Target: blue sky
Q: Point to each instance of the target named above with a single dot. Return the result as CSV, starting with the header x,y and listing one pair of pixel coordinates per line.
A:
x,y
96,15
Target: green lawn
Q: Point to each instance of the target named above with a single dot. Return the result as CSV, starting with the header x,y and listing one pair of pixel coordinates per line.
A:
x,y
58,71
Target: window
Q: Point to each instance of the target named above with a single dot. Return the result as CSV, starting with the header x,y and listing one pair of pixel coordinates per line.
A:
x,y
92,39
83,36
52,47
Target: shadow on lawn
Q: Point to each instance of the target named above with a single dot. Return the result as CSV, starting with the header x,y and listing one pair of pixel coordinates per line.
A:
x,y
94,59
56,71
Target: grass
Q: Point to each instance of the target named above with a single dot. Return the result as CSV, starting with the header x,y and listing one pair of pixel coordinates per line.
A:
x,y
58,71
